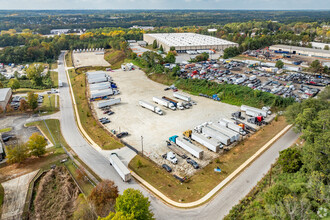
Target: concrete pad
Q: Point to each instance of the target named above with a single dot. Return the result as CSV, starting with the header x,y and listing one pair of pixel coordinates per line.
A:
x,y
89,59
156,129
15,195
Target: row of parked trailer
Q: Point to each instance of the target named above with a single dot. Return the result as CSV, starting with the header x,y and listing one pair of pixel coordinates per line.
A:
x,y
168,103
101,85
213,136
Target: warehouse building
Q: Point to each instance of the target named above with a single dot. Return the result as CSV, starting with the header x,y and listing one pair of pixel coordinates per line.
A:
x,y
184,42
303,51
5,95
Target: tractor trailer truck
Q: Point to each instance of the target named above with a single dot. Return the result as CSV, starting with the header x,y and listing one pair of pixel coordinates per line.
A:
x,y
231,125
164,102
211,144
182,96
175,103
261,112
121,169
186,145
151,107
108,103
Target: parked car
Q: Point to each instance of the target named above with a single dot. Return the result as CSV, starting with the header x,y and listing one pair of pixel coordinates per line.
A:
x,y
167,168
193,163
167,88
6,137
122,134
110,112
105,121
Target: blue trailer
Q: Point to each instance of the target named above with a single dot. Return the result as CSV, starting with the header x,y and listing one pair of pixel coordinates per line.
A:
x,y
175,103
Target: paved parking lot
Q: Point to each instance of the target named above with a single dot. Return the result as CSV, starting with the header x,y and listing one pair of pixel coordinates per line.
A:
x,y
89,59
156,129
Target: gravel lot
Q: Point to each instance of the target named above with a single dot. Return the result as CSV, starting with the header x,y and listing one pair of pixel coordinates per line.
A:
x,y
156,129
89,59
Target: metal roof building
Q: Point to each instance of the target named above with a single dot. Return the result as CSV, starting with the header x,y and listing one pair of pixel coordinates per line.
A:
x,y
5,95
188,41
303,51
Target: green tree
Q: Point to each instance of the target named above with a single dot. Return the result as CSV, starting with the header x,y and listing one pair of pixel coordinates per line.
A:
x,y
154,44
34,74
37,145
32,100
170,57
14,84
316,66
161,48
326,47
133,204
290,160
1,85
279,64
17,153
103,197
172,48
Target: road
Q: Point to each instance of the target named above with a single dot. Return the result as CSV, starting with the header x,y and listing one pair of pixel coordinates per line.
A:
x,y
215,209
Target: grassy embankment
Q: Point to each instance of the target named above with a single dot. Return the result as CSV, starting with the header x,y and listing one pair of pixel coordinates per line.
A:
x,y
54,77
48,104
56,138
205,179
115,58
68,59
100,135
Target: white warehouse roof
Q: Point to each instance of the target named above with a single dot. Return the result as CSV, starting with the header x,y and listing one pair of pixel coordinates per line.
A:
x,y
189,39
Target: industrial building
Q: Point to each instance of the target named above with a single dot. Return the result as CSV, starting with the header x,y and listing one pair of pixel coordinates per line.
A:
x,y
5,95
184,42
303,51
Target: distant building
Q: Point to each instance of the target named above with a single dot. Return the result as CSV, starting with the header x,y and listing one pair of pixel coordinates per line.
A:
x,y
2,151
303,51
146,28
183,42
212,30
318,45
59,31
5,95
142,43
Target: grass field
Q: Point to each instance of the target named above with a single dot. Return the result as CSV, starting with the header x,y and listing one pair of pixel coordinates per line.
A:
x,y
55,135
68,59
205,179
54,77
49,104
26,90
5,130
100,135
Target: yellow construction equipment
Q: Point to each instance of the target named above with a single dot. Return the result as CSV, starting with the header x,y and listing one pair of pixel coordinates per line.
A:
x,y
187,133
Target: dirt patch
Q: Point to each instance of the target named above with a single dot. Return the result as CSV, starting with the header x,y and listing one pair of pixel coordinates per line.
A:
x,y
89,59
55,195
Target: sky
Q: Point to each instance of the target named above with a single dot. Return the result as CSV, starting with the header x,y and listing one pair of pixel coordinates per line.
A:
x,y
166,4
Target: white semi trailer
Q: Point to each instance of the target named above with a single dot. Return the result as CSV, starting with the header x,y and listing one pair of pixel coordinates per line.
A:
x,y
121,169
252,113
234,136
261,112
108,103
182,96
151,107
101,93
215,134
211,144
164,102
231,125
98,80
192,149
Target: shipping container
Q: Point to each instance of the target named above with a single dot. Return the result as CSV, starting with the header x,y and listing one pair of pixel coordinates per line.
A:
x,y
234,136
182,96
101,93
189,147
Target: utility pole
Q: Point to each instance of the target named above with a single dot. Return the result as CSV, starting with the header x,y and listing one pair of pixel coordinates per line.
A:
x,y
142,144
